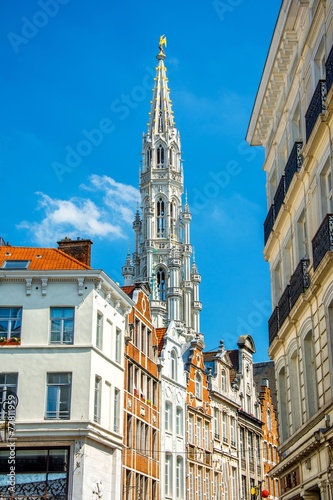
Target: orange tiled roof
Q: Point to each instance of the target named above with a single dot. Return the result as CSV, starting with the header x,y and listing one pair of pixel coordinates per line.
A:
x,y
160,338
128,290
41,259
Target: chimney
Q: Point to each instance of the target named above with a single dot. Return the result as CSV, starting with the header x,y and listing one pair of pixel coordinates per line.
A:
x,y
79,249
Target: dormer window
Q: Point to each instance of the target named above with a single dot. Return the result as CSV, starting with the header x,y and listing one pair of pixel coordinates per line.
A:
x,y
160,156
16,264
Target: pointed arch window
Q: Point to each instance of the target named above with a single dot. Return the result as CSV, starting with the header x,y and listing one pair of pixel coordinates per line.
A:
x,y
172,217
148,157
161,284
160,218
160,156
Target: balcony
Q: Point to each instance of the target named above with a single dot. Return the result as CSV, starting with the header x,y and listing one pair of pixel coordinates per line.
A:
x,y
298,284
299,281
329,70
294,163
273,325
323,240
279,195
316,107
269,223
284,306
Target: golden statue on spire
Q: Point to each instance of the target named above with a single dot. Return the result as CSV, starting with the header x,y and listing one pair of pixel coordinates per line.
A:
x,y
163,41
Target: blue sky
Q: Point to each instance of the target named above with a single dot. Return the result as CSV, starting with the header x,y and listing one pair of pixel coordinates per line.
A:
x,y
76,83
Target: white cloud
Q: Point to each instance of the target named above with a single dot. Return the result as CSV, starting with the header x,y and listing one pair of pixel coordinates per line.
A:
x,y
108,216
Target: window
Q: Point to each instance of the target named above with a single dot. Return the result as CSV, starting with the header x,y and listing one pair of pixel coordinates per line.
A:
x,y
198,386
216,423
207,485
173,364
282,385
258,449
190,429
99,331
179,478
116,410
206,435
301,236
161,284
234,483
225,427
294,391
269,419
287,262
58,395
326,190
168,475
8,387
233,431
118,346
16,264
97,399
250,446
10,322
168,416
241,442
244,495
160,156
160,218
199,432
309,370
148,157
129,431
172,218
62,325
223,381
48,466
179,421
191,481
200,483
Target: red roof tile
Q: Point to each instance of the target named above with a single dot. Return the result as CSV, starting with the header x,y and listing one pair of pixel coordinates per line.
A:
x,y
160,338
41,259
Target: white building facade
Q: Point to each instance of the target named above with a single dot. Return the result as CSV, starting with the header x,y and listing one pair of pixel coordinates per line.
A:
x,y
292,119
66,370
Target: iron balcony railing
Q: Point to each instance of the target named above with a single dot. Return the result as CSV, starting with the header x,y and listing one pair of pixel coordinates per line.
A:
x,y
294,163
316,107
323,240
299,281
269,223
284,306
298,284
273,325
279,195
329,70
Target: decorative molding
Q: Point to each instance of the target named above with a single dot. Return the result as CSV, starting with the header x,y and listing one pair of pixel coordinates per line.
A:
x,y
28,286
44,286
80,282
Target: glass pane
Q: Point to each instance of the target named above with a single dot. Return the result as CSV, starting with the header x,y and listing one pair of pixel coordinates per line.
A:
x,y
31,460
56,312
58,460
4,312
